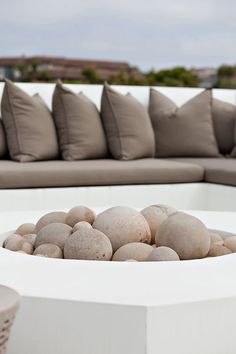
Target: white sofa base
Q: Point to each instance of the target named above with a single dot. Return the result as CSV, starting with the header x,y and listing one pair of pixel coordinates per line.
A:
x,y
192,196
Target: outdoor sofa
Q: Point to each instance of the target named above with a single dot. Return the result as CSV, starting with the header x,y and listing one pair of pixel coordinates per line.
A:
x,y
182,156
202,113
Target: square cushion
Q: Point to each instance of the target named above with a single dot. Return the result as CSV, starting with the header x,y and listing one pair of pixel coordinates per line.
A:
x,y
79,126
224,118
233,154
184,131
217,170
127,125
3,143
30,131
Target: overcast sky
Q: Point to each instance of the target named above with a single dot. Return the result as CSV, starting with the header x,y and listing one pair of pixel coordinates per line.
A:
x,y
148,33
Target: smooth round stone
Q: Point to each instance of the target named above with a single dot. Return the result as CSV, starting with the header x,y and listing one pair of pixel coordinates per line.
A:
x,y
55,233
80,213
223,234
49,250
40,255
131,260
14,244
230,243
80,225
123,225
27,247
88,244
135,250
166,209
49,218
12,237
30,238
215,238
155,216
218,250
186,235
26,228
163,253
19,245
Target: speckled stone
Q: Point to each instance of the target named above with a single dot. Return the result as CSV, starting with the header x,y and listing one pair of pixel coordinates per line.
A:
x,y
19,245
135,250
27,247
55,233
49,218
223,234
163,253
30,238
123,225
131,260
186,235
218,250
155,216
80,213
27,228
230,243
12,237
49,250
81,224
216,239
88,244
167,209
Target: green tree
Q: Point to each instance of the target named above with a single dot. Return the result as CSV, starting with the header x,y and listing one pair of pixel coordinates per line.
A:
x,y
178,76
226,77
226,71
91,76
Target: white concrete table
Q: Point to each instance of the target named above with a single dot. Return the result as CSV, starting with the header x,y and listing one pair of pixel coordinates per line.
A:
x,y
87,307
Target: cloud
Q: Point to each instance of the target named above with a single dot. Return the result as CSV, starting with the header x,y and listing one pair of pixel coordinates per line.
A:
x,y
149,33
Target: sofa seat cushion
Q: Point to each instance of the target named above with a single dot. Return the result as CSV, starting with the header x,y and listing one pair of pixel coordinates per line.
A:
x,y
96,172
217,170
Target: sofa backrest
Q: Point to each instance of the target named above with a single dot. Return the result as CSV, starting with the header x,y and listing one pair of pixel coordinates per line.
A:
x,y
178,94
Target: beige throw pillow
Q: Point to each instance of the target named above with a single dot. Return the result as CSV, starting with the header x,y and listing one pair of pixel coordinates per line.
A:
x,y
3,143
30,131
79,126
224,118
127,125
186,131
233,154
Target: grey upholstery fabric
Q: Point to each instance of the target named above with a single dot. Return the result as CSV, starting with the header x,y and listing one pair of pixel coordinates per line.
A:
x,y
184,131
96,172
127,124
30,130
217,170
79,126
224,119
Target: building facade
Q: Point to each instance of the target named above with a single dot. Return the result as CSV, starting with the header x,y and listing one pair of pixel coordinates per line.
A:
x,y
51,68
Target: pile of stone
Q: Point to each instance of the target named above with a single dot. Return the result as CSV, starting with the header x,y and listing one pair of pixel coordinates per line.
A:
x,y
157,233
